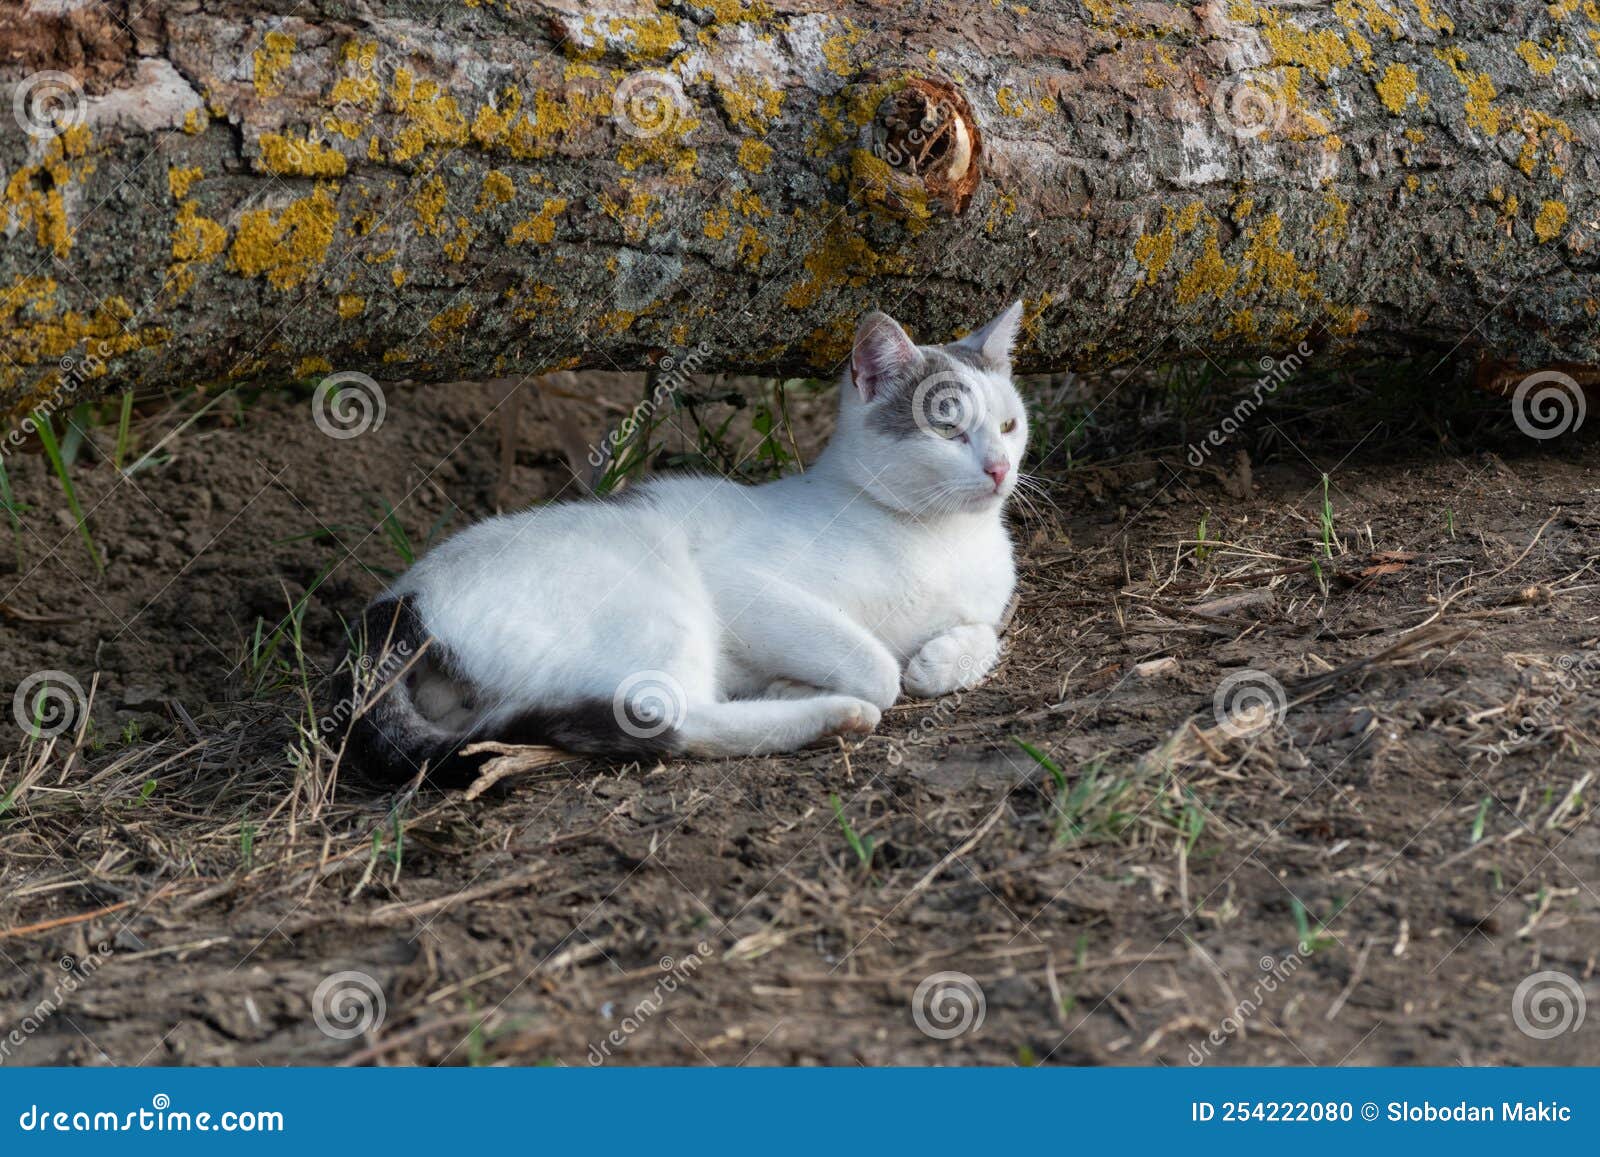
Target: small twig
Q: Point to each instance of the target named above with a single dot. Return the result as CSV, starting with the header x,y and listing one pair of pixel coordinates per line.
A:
x,y
956,853
1355,978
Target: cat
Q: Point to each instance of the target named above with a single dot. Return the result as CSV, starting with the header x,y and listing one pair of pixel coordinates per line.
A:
x,y
700,616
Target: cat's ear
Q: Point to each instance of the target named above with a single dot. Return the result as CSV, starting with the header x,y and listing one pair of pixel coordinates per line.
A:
x,y
882,352
994,341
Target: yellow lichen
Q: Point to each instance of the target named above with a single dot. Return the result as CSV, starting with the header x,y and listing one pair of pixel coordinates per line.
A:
x,y
1429,20
1154,250
286,249
843,258
749,204
1551,220
752,247
270,61
636,216
36,330
1319,51
179,179
430,202
653,38
451,320
1209,274
35,194
497,189
752,103
1540,63
1542,132
311,365
456,248
755,155
196,237
1398,86
540,228
351,305
1480,110
836,48
431,116
289,157
717,223
889,194
1336,221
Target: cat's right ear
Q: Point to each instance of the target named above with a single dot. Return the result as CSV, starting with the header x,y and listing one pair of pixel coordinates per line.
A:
x,y
882,352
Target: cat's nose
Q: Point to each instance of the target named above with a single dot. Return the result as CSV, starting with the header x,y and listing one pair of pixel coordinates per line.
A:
x,y
997,471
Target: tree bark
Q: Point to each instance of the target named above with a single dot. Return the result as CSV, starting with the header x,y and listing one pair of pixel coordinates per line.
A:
x,y
431,191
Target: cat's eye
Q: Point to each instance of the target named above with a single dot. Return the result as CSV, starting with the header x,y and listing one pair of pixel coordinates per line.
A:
x,y
1010,425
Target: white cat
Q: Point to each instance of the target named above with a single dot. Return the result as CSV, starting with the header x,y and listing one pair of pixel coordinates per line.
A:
x,y
698,615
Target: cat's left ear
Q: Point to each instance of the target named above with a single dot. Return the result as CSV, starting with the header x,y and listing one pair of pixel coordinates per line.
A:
x,y
994,341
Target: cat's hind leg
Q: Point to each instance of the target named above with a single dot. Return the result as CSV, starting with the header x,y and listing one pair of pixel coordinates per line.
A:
x,y
769,726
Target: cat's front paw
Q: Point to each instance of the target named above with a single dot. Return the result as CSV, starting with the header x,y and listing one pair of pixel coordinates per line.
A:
x,y
953,661
846,716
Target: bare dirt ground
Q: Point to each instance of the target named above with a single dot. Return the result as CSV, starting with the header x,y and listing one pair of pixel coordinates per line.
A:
x,y
1356,854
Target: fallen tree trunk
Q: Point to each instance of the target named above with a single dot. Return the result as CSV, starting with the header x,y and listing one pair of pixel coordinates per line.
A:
x,y
230,190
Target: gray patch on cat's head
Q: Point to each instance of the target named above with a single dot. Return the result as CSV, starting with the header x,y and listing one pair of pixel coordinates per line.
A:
x,y
938,395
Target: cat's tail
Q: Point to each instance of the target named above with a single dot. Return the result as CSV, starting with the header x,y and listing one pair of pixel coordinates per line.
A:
x,y
391,741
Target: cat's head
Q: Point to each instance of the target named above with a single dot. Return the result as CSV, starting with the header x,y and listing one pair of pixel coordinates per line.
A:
x,y
934,429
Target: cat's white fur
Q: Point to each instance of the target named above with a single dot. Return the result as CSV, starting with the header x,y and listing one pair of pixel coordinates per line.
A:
x,y
753,619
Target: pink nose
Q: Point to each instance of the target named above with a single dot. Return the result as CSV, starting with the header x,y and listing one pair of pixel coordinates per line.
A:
x,y
998,472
